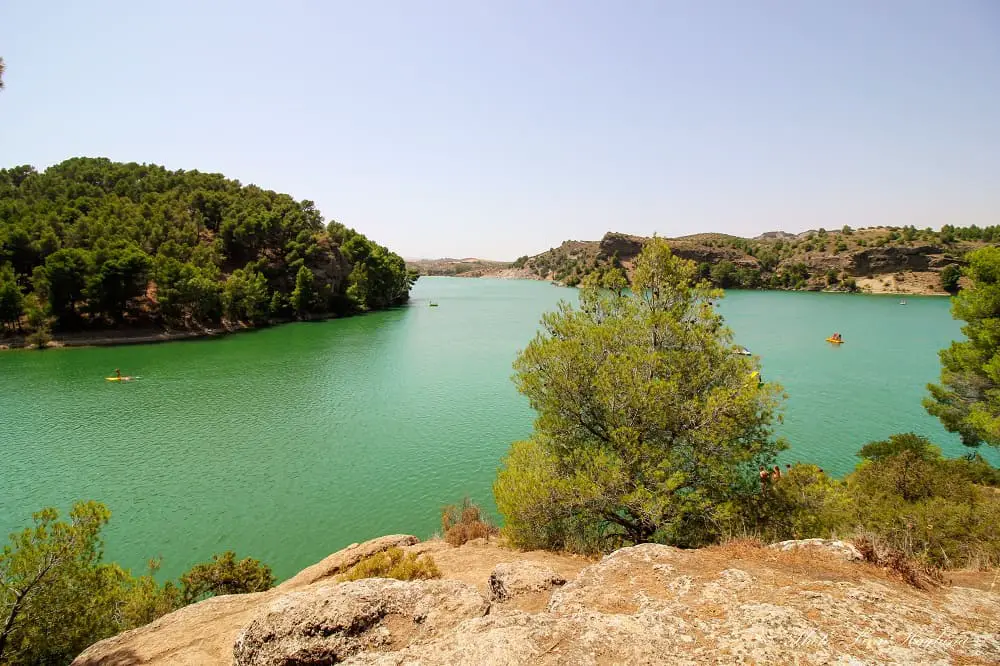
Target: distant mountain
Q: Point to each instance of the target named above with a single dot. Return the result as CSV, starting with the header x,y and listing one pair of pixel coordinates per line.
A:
x,y
468,267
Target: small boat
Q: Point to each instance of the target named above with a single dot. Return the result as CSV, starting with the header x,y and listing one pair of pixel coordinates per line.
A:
x,y
903,302
434,305
743,351
120,379
835,341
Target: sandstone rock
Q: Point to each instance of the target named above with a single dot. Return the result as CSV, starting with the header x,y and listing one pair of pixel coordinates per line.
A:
x,y
512,579
344,559
890,259
647,604
328,623
841,549
203,633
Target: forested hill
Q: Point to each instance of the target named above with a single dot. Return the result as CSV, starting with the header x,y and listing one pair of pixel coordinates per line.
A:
x,y
903,259
91,243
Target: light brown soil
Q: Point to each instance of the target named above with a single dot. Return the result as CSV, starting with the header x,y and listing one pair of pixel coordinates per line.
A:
x,y
922,283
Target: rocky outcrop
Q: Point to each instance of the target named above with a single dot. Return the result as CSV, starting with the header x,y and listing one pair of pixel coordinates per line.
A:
x,y
512,579
331,622
835,547
804,602
625,246
344,559
892,259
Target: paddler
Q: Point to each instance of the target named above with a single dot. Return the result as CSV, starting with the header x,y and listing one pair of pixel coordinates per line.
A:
x,y
118,374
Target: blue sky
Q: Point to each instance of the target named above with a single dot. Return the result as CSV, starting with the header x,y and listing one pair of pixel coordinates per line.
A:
x,y
496,129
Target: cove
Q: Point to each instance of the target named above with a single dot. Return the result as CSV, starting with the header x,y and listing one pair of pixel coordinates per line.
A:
x,y
289,443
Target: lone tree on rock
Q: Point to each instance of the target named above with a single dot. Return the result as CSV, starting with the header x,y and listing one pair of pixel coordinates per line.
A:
x,y
968,398
649,427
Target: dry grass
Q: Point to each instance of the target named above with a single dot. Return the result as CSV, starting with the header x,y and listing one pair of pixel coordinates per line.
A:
x,y
919,575
464,522
394,563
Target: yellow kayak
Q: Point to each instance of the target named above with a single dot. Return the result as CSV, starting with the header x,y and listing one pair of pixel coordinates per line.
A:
x,y
835,341
119,379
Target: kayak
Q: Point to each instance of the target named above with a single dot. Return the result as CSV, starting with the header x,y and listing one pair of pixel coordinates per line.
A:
x,y
120,379
834,341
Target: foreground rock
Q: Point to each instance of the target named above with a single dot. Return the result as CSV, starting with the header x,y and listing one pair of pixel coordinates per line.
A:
x,y
515,579
204,633
795,602
329,623
841,549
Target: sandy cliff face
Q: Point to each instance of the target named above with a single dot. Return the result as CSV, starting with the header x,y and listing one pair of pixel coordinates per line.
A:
x,y
797,602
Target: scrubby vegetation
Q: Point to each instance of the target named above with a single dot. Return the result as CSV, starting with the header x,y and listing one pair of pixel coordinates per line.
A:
x,y
394,563
821,259
91,243
58,596
225,575
464,522
650,429
904,493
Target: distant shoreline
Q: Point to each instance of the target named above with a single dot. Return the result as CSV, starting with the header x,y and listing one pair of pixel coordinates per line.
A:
x,y
145,336
914,283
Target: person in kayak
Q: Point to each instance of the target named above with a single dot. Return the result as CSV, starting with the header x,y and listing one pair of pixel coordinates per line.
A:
x,y
118,374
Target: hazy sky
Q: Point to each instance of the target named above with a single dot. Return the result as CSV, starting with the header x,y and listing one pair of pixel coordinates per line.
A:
x,y
497,129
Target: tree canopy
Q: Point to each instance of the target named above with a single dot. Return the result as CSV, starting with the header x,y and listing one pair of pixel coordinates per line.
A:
x,y
649,425
968,398
104,243
58,596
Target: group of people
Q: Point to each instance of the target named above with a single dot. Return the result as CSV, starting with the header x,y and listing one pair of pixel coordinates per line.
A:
x,y
836,336
770,475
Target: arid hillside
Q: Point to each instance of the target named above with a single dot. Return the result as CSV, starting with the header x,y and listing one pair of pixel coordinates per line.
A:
x,y
878,259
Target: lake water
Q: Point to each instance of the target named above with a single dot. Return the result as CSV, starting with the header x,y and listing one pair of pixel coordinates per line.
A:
x,y
289,443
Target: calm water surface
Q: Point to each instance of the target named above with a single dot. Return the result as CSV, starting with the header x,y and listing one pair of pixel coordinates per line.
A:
x,y
289,443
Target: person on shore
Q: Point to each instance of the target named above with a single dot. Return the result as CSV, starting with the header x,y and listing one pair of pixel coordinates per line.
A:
x,y
764,477
776,474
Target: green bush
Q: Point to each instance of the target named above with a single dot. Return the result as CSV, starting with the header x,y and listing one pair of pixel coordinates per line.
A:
x,y
804,503
927,506
394,563
950,275
225,575
57,596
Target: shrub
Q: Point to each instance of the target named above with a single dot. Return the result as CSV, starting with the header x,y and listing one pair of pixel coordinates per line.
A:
x,y
225,575
804,503
950,276
394,563
924,505
918,574
464,522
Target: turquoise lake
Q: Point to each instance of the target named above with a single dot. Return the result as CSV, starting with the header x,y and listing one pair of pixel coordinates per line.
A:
x,y
289,443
